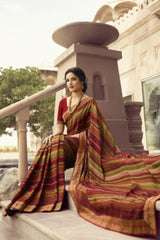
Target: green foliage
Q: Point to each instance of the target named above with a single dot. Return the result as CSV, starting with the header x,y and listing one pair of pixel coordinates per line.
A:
x,y
18,84
42,114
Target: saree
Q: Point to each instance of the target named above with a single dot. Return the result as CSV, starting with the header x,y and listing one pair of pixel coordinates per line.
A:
x,y
114,190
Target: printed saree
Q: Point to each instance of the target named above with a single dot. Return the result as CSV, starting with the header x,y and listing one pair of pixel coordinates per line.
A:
x,y
111,189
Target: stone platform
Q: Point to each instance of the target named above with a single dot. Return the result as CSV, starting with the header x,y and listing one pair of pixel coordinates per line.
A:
x,y
63,225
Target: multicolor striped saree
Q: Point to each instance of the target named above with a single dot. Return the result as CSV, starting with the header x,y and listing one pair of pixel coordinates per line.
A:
x,y
110,189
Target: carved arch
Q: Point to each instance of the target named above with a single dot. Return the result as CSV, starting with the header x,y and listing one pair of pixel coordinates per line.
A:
x,y
106,13
98,87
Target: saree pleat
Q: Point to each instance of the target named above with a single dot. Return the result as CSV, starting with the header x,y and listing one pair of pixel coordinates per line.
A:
x,y
111,189
43,187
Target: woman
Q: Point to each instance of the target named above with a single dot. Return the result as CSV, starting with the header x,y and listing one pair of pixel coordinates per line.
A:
x,y
111,189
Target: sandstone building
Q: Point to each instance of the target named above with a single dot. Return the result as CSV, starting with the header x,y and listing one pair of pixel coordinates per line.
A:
x,y
138,23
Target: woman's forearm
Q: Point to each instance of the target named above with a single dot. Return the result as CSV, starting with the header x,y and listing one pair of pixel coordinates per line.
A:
x,y
59,129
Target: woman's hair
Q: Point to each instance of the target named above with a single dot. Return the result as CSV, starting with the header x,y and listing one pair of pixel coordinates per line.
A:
x,y
80,74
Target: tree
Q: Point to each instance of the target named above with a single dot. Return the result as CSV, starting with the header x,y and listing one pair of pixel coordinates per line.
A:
x,y
16,85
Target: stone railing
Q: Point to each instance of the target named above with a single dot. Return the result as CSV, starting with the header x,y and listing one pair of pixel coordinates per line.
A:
x,y
22,110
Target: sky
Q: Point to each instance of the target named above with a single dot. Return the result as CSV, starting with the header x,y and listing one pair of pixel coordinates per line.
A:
x,y
26,28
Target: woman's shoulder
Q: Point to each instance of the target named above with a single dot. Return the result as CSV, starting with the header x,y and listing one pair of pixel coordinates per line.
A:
x,y
63,103
88,98
63,100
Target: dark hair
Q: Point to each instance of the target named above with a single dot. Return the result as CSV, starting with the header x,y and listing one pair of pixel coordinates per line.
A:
x,y
80,74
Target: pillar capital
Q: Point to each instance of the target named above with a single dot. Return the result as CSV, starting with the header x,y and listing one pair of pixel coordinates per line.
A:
x,y
23,115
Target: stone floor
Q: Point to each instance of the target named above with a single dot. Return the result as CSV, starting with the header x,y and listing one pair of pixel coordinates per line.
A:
x,y
63,225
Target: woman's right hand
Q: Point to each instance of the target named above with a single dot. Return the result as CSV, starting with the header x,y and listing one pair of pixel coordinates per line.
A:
x,y
48,139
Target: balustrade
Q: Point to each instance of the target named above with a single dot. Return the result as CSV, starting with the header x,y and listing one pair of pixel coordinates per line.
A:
x,y
21,110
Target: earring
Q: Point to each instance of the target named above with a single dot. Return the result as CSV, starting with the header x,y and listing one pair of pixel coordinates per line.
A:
x,y
83,87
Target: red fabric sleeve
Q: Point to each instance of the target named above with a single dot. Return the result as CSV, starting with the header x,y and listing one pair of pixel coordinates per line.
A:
x,y
62,108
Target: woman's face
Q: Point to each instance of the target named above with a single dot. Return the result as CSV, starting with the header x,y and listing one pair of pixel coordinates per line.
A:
x,y
73,82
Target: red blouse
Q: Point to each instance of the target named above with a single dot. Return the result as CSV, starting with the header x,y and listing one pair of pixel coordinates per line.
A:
x,y
62,108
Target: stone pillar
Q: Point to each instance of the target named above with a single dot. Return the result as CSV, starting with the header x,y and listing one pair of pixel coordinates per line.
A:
x,y
49,75
86,42
22,117
132,110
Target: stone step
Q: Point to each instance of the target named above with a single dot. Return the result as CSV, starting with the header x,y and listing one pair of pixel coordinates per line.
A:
x,y
68,201
63,225
8,232
69,204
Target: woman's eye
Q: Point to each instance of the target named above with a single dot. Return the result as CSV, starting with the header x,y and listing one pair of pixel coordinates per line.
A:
x,y
73,79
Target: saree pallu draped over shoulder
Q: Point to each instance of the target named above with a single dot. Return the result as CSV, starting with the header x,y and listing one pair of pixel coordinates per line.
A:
x,y
111,189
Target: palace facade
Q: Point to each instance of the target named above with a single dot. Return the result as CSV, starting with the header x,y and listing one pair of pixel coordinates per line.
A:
x,y
138,23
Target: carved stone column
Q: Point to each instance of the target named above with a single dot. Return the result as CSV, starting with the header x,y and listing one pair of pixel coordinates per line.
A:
x,y
133,117
22,117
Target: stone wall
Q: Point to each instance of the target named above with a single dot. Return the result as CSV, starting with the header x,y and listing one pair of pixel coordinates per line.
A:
x,y
140,45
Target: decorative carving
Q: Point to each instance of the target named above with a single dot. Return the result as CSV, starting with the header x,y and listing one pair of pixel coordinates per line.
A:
x,y
155,9
106,13
157,51
132,110
143,57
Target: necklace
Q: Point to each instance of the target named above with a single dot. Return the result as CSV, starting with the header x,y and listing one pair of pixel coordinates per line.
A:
x,y
70,110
